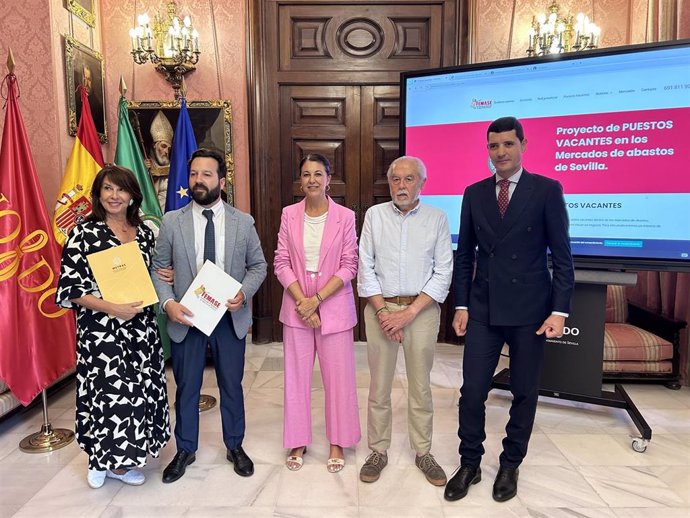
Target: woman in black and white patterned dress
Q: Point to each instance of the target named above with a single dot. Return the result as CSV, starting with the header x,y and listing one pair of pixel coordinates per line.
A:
x,y
122,404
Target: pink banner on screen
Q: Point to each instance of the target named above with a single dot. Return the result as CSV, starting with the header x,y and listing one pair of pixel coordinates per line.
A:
x,y
622,152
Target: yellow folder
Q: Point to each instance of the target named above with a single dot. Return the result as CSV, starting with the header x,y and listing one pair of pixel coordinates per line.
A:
x,y
122,276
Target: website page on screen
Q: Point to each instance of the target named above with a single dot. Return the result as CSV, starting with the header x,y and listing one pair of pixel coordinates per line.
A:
x,y
612,129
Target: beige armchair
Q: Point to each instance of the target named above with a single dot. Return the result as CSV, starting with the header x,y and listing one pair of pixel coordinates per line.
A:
x,y
639,345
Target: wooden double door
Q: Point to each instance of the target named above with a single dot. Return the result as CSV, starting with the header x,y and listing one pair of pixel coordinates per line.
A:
x,y
355,127
325,79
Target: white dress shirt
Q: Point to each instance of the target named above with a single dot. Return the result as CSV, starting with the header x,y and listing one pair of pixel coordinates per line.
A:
x,y
200,231
405,254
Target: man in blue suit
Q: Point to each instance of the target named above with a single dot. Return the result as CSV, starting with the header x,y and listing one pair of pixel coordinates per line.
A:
x,y
208,229
508,223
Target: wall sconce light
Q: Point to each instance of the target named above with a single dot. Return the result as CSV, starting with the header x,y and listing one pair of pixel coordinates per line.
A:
x,y
170,43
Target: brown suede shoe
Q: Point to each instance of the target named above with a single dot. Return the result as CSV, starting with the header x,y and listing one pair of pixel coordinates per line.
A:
x,y
373,466
432,471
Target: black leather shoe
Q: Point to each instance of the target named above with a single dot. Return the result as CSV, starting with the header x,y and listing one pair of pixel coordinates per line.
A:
x,y
460,483
244,466
177,467
505,485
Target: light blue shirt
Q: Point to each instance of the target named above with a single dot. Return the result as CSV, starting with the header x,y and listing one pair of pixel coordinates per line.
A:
x,y
405,254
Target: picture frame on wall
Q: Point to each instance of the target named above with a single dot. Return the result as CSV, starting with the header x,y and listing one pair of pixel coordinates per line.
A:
x,y
82,9
154,123
84,66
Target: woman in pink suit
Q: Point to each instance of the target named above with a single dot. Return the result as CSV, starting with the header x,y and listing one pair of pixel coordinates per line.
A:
x,y
315,262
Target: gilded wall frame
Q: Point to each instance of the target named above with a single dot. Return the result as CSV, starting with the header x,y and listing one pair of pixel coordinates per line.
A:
x,y
82,9
211,120
82,62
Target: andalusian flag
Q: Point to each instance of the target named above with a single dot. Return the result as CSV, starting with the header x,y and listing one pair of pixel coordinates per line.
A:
x,y
74,197
128,154
184,144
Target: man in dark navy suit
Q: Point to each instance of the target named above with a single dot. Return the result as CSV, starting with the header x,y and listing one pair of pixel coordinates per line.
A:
x,y
508,223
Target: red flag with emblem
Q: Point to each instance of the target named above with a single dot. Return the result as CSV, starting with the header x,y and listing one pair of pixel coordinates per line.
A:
x,y
37,338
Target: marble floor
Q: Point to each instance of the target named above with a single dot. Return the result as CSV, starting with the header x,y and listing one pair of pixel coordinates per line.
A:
x,y
580,463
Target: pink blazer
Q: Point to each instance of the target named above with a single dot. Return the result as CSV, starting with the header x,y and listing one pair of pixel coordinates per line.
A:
x,y
338,256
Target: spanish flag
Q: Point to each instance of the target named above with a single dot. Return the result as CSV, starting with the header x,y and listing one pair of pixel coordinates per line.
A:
x,y
74,201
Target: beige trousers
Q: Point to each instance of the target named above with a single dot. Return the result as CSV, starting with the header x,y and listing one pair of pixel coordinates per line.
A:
x,y
418,347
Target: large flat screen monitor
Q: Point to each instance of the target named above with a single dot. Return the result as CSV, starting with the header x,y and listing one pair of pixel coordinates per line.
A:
x,y
612,125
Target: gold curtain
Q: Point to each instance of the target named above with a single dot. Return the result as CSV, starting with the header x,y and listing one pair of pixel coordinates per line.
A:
x,y
660,18
668,293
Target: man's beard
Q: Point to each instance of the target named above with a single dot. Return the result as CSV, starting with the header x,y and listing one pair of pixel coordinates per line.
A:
x,y
205,197
161,160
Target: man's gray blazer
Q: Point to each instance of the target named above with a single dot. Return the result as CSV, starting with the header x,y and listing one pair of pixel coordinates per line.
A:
x,y
244,261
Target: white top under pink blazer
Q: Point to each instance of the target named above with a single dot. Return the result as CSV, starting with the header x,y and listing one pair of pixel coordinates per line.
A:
x,y
338,257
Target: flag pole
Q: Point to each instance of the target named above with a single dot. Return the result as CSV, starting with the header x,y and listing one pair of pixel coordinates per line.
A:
x,y
206,401
48,439
10,61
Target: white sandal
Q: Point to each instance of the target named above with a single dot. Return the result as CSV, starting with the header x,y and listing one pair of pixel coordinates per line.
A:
x,y
295,462
335,464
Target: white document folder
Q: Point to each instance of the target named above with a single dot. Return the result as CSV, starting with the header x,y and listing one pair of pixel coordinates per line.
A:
x,y
207,295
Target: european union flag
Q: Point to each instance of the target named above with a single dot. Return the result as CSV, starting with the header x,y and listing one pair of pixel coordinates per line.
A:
x,y
184,144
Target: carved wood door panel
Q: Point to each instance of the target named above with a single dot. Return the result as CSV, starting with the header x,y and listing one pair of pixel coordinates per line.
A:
x,y
325,120
361,38
380,123
355,127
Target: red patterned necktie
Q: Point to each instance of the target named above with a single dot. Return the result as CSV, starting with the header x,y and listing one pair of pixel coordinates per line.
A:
x,y
503,199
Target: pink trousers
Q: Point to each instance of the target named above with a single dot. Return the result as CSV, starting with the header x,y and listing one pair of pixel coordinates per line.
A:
x,y
337,364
